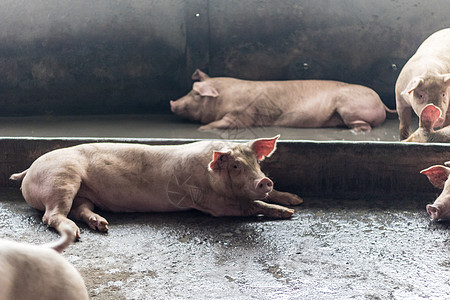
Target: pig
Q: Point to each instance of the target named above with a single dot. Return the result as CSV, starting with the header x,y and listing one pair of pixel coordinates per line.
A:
x,y
429,118
29,272
216,177
438,176
425,79
233,103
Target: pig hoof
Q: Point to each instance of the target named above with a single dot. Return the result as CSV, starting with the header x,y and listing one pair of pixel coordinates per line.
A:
x,y
287,213
98,223
361,129
205,128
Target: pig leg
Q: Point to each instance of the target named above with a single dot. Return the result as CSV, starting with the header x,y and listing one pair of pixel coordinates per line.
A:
x,y
284,198
270,210
230,120
82,209
404,115
359,126
58,202
252,208
56,217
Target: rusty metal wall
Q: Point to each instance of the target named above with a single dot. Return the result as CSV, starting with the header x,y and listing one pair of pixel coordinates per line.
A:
x,y
132,56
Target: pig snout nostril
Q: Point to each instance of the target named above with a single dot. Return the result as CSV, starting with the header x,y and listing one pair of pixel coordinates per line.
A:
x,y
264,185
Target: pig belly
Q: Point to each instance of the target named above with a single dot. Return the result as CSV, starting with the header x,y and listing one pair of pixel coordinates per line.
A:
x,y
130,198
304,120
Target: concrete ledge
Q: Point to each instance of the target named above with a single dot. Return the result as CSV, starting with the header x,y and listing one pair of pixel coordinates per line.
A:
x,y
309,168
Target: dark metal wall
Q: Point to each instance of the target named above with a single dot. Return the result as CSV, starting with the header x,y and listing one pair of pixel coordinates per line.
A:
x,y
103,56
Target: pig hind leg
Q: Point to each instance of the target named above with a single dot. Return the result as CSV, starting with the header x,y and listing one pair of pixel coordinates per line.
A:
x,y
82,209
57,207
353,120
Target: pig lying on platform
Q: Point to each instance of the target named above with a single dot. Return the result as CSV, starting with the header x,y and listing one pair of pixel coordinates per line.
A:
x,y
425,79
217,177
29,272
438,176
233,103
429,118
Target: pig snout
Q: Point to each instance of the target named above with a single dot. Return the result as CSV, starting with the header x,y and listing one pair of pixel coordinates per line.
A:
x,y
433,211
264,186
173,106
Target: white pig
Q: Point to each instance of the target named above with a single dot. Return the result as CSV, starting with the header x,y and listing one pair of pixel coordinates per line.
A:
x,y
438,176
233,103
217,177
30,272
425,79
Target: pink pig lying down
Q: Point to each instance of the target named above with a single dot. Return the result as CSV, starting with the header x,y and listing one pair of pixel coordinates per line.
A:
x,y
29,272
429,119
232,103
217,177
438,176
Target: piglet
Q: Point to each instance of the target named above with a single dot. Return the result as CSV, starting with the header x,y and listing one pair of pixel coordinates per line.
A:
x,y
429,119
223,102
438,176
220,178
29,272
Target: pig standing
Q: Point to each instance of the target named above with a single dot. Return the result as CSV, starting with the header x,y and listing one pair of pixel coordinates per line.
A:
x,y
233,103
216,177
429,118
29,272
438,176
425,79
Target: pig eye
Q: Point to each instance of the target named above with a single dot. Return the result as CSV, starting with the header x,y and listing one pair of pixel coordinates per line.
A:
x,y
235,167
443,94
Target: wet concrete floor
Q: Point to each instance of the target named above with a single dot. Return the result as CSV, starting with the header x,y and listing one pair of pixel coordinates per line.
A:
x,y
331,249
170,126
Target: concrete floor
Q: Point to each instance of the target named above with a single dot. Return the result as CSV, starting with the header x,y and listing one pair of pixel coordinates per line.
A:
x,y
170,126
330,250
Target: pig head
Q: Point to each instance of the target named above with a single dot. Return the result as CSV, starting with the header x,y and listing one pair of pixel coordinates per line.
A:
x,y
429,88
430,118
199,101
438,176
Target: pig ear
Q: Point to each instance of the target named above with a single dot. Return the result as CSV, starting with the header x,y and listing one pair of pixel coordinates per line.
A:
x,y
264,147
429,115
446,78
199,75
412,85
205,89
218,161
437,175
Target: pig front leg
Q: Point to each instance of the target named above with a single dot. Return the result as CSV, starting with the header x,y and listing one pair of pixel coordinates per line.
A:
x,y
82,209
252,208
230,120
404,116
270,210
284,198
